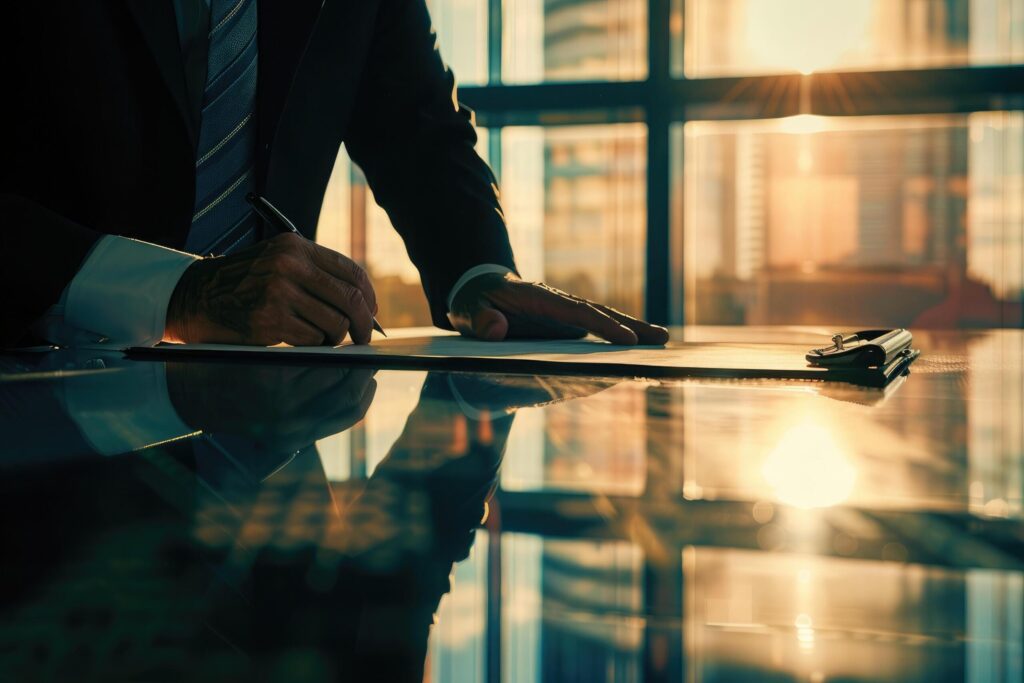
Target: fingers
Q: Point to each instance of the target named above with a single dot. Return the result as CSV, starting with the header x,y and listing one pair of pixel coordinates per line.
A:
x,y
289,303
297,332
581,313
347,270
480,320
489,324
306,265
334,324
344,298
646,332
348,301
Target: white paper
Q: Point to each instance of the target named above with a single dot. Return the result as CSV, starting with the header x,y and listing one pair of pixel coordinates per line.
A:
x,y
441,345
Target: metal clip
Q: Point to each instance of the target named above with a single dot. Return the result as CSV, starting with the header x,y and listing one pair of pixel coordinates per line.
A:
x,y
839,341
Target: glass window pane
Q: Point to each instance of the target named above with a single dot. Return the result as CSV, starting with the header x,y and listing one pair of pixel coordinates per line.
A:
x,y
574,40
575,199
899,220
461,27
739,37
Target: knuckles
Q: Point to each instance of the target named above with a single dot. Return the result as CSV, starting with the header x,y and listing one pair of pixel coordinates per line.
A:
x,y
362,279
266,320
339,333
287,262
278,292
289,239
287,254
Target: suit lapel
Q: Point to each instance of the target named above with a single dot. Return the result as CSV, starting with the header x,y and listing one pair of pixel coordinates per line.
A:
x,y
158,26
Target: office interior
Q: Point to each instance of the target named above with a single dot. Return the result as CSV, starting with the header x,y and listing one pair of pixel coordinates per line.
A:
x,y
741,171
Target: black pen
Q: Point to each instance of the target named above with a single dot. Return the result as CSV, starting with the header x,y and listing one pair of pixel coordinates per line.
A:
x,y
275,218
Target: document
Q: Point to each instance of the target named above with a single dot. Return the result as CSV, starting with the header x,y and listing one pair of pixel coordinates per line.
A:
x,y
450,351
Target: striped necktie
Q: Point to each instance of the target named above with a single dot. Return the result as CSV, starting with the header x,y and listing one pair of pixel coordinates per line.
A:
x,y
225,157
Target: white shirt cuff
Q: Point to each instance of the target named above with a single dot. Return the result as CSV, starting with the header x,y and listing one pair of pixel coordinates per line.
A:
x,y
475,271
123,409
121,292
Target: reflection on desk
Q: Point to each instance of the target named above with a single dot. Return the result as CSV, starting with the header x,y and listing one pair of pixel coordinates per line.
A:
x,y
205,521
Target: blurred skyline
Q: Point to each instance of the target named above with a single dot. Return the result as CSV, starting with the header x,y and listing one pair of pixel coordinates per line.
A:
x,y
895,220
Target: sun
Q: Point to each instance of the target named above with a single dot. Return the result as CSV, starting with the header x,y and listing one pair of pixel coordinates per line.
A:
x,y
804,36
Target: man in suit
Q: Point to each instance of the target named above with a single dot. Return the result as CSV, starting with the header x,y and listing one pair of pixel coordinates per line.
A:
x,y
136,128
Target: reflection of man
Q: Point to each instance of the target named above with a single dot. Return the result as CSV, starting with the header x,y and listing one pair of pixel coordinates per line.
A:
x,y
153,120
255,564
110,406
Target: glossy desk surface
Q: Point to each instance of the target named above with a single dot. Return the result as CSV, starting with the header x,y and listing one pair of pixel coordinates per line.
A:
x,y
222,522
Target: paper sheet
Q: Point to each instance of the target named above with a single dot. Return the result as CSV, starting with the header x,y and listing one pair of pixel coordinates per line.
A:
x,y
451,351
427,348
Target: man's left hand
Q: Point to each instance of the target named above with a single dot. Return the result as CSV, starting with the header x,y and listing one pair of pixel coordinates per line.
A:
x,y
496,307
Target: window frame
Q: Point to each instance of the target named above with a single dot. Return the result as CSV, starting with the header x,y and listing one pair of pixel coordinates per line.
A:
x,y
663,100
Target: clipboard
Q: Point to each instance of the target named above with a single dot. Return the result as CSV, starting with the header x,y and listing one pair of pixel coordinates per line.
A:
x,y
593,358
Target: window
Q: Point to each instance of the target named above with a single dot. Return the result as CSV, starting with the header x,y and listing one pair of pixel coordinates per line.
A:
x,y
575,200
568,40
834,162
461,27
878,220
743,37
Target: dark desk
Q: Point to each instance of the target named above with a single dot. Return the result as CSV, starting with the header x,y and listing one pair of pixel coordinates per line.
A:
x,y
235,522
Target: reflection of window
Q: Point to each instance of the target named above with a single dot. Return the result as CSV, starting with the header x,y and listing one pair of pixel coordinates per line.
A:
x,y
457,636
571,606
995,428
596,445
807,452
770,616
866,221
726,37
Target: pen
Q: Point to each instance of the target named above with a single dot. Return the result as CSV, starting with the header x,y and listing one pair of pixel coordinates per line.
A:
x,y
271,215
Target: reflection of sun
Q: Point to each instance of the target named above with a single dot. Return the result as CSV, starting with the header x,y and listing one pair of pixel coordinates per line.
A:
x,y
808,468
804,35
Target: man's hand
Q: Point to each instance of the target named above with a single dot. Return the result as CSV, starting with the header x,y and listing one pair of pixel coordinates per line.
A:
x,y
496,307
285,289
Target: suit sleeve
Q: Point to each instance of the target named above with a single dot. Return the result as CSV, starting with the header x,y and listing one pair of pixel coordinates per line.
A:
x,y
34,272
414,142
41,249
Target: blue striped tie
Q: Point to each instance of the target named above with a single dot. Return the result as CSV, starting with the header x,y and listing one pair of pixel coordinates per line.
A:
x,y
223,221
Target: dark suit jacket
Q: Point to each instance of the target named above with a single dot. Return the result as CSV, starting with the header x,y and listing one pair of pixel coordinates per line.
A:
x,y
100,139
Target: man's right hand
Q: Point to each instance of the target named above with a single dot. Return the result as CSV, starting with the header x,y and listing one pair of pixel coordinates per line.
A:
x,y
285,289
